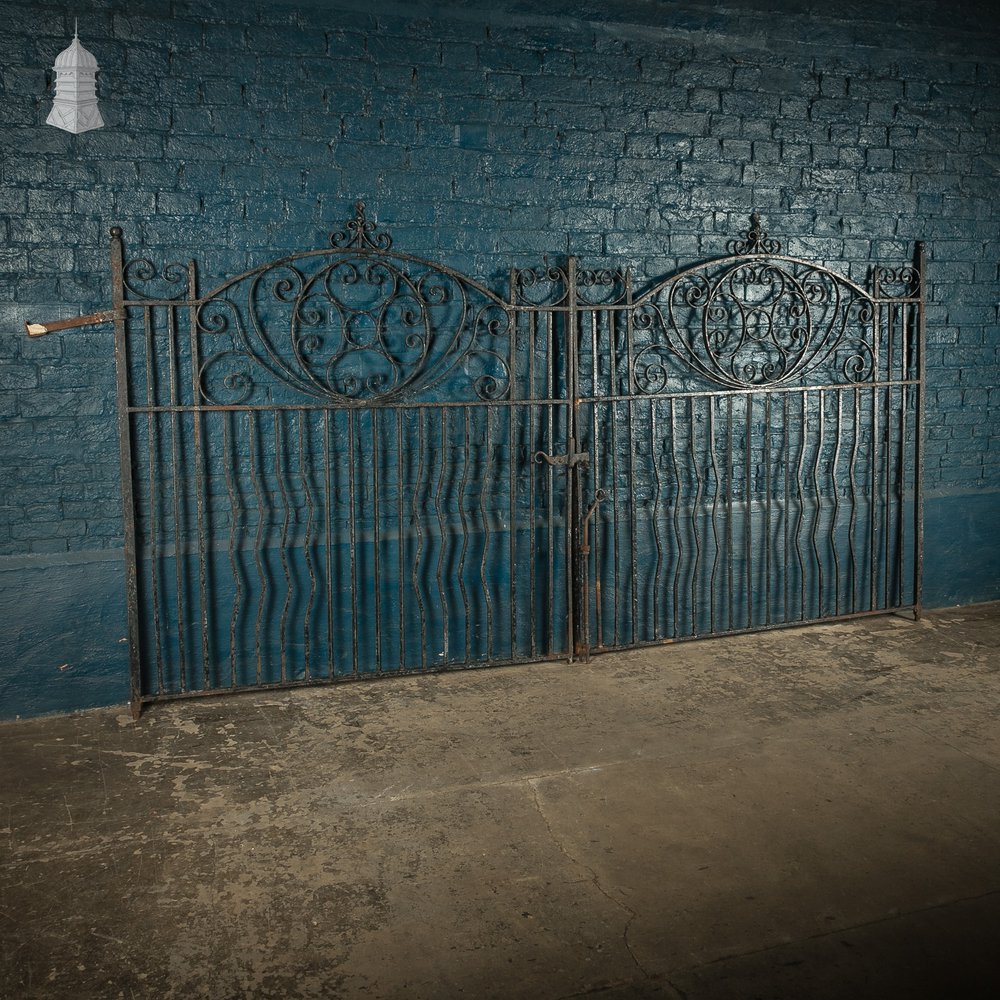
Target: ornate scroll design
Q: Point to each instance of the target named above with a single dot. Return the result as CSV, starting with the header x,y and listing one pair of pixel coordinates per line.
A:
x,y
360,233
751,322
144,280
755,240
897,283
546,286
601,287
350,328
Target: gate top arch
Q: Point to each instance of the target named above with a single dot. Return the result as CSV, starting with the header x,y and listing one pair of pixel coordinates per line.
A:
x,y
759,318
360,323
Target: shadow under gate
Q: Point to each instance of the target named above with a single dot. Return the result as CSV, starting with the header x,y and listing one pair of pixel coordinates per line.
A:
x,y
353,462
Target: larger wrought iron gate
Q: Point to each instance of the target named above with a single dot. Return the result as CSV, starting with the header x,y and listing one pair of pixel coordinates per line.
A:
x,y
352,462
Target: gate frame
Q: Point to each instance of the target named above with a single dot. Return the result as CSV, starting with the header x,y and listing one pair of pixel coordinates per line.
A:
x,y
360,240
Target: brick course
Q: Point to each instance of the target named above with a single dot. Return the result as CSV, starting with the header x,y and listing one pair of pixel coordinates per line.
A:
x,y
239,131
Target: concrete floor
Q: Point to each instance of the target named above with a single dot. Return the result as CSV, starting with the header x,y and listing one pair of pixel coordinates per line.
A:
x,y
801,815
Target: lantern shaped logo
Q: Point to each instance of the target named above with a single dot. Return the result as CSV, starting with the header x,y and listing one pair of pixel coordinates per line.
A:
x,y
75,106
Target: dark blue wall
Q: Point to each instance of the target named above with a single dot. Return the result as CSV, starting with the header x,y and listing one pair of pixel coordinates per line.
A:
x,y
635,132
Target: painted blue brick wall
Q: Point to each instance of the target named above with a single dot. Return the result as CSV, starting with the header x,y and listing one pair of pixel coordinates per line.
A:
x,y
623,131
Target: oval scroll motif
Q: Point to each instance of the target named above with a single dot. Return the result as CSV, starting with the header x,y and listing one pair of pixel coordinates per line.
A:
x,y
358,327
753,323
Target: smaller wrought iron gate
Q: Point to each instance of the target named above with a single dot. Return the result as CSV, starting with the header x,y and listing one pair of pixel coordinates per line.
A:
x,y
753,425
353,462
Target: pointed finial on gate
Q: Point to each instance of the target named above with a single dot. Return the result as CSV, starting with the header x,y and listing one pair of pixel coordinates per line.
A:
x,y
755,240
359,233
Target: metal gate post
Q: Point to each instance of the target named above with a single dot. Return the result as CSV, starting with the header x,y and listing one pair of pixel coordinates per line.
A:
x,y
125,457
576,555
918,555
574,544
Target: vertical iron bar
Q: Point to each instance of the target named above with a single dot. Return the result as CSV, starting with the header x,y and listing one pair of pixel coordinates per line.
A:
x,y
695,513
615,509
800,520
307,544
466,459
656,519
512,517
633,517
595,528
400,541
818,506
199,460
532,447
153,436
632,392
786,500
715,512
550,547
767,509
595,465
415,513
887,459
873,542
918,526
229,462
487,534
444,652
853,522
835,486
901,479
180,545
675,519
328,539
286,515
748,505
875,431
512,523
730,540
352,501
629,336
125,460
571,347
590,564
259,492
376,460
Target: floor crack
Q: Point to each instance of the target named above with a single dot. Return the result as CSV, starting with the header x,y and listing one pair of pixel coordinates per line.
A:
x,y
593,877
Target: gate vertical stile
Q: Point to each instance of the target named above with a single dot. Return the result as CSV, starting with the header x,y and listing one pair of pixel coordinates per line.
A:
x,y
125,458
918,514
197,419
574,597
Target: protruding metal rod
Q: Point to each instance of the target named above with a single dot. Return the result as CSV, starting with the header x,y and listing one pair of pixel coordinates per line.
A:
x,y
94,319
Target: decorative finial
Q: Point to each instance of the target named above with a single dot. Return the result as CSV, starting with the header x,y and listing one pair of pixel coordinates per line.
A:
x,y
76,28
359,233
755,240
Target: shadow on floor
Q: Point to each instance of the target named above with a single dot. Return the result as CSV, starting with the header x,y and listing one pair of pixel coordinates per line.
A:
x,y
801,815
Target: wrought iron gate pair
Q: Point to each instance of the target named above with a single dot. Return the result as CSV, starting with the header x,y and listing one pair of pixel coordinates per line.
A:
x,y
352,462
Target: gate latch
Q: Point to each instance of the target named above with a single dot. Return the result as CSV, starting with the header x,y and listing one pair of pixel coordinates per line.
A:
x,y
591,511
571,459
